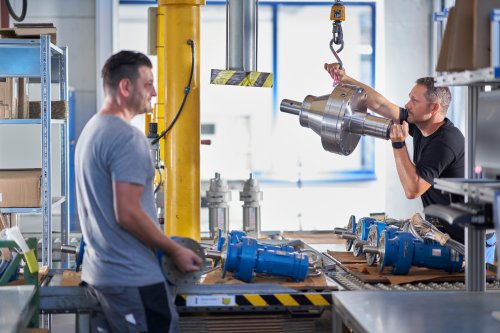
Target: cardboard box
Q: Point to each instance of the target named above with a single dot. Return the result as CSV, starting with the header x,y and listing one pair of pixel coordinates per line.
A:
x,y
481,34
58,109
466,40
20,188
30,31
460,51
441,65
23,98
8,98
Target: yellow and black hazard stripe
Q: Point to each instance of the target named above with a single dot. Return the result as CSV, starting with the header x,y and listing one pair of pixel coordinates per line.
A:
x,y
241,78
285,300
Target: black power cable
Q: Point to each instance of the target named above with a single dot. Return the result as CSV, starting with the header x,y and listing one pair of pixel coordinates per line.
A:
x,y
23,12
187,90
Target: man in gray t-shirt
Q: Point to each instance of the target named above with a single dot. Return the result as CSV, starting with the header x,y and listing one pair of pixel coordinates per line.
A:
x,y
114,179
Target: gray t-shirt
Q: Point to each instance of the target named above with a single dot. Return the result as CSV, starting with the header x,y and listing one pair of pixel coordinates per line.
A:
x,y
110,149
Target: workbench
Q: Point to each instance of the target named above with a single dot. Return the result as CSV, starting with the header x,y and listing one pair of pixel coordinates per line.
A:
x,y
16,308
421,311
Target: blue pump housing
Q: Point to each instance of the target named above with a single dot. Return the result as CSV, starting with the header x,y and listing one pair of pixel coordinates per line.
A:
x,y
402,250
248,256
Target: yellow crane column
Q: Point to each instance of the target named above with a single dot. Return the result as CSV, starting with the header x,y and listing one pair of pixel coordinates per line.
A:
x,y
182,153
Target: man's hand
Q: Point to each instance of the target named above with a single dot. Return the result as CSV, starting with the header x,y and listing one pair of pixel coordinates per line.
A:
x,y
399,133
335,71
186,260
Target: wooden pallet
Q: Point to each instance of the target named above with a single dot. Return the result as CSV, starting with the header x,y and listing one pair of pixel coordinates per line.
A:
x,y
370,274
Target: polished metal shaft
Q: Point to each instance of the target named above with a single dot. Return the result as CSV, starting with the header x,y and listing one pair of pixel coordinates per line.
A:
x,y
349,235
289,106
339,231
371,249
213,254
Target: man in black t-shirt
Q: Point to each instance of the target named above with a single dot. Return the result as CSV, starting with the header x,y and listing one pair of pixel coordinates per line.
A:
x,y
438,144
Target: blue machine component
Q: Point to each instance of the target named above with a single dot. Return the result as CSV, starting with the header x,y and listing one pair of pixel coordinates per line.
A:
x,y
362,230
220,240
236,236
401,251
248,256
372,240
79,255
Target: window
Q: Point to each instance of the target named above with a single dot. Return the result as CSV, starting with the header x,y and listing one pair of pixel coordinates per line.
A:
x,y
252,135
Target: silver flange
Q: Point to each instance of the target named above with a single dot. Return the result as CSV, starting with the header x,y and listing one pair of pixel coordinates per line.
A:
x,y
351,227
372,258
172,272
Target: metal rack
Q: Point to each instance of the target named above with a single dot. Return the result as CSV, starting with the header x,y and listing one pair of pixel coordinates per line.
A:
x,y
39,59
484,191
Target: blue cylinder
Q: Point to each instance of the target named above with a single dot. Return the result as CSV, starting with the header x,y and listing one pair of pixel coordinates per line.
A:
x,y
433,255
402,250
248,256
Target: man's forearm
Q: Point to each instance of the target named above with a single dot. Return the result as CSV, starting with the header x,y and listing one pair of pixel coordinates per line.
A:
x,y
140,225
376,101
407,173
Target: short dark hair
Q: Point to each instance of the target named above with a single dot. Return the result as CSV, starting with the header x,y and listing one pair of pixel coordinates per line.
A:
x,y
123,65
433,93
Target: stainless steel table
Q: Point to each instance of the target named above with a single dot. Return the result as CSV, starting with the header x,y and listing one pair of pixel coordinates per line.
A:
x,y
420,311
15,308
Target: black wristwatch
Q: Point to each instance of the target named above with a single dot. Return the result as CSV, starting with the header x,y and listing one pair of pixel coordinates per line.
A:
x,y
398,145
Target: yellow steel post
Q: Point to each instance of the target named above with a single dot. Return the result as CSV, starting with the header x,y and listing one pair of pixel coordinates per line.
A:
x,y
182,153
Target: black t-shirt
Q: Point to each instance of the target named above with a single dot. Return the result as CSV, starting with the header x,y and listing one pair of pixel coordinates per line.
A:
x,y
439,155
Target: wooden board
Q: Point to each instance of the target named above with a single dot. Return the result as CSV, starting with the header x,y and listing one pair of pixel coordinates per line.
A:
x,y
347,257
317,282
371,274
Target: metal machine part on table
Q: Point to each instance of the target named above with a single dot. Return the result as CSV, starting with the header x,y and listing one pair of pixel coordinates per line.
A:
x,y
362,230
421,228
348,230
340,118
401,250
372,240
171,271
244,255
374,232
218,195
356,233
251,195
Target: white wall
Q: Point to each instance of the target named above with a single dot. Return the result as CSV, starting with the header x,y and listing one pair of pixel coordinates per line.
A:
x,y
407,49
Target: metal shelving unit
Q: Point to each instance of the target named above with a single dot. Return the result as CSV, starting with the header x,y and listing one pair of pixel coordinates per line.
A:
x,y
39,59
484,191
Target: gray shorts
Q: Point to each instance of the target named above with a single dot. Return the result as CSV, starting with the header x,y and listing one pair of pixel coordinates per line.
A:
x,y
132,309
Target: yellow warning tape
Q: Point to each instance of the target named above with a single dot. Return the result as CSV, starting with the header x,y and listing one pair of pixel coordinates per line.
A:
x,y
241,78
317,299
286,300
255,300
